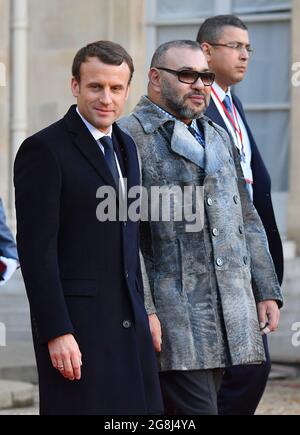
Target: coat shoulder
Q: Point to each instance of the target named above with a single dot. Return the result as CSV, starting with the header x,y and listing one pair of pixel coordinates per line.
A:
x,y
130,125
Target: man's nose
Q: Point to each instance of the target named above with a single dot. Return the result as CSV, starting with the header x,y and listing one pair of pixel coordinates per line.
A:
x,y
105,97
244,55
198,84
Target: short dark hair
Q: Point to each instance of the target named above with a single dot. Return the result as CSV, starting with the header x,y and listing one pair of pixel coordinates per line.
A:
x,y
159,55
107,52
212,28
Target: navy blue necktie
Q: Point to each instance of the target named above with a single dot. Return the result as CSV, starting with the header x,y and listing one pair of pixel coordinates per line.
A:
x,y
109,156
228,104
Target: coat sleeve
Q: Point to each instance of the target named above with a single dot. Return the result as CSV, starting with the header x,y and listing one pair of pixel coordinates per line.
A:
x,y
148,292
8,247
38,184
264,279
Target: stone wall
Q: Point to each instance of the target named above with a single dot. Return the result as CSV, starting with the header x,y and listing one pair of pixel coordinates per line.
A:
x,y
294,188
57,30
4,99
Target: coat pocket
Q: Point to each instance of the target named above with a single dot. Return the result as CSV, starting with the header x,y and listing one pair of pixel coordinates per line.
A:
x,y
79,287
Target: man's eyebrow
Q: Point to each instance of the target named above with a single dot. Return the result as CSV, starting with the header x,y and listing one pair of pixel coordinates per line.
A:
x,y
189,68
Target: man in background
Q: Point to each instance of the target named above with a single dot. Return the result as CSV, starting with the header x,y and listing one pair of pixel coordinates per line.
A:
x,y
225,42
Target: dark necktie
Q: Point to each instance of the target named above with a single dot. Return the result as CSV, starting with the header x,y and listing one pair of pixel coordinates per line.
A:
x,y
228,104
109,156
198,135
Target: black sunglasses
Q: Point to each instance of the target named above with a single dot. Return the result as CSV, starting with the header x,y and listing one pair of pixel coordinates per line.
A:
x,y
190,77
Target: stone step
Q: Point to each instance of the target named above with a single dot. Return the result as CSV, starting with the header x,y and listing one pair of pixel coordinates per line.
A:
x,y
15,394
289,249
292,268
17,362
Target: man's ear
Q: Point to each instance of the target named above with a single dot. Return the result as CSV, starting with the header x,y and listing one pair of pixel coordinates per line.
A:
x,y
75,87
155,79
206,48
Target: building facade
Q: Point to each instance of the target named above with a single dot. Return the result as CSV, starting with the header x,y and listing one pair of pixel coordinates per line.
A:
x,y
38,40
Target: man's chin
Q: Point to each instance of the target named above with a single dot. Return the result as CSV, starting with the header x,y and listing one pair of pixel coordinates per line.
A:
x,y
238,78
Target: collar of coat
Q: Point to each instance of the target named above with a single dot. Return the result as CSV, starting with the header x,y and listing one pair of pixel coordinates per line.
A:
x,y
182,142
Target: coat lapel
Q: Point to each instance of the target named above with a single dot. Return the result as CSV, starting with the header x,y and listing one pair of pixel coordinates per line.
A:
x,y
87,145
216,152
213,113
129,156
186,145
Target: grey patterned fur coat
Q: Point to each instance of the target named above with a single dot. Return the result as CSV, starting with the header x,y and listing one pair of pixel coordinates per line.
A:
x,y
204,286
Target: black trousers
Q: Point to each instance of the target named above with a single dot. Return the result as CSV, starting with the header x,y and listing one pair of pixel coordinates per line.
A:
x,y
243,386
191,392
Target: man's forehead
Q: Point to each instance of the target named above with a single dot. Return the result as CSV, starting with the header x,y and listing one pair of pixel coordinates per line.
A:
x,y
235,34
185,57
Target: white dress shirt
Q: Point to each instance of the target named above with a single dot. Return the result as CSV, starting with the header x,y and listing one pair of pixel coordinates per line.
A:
x,y
97,135
246,165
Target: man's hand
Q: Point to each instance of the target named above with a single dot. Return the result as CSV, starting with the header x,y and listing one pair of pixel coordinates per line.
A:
x,y
11,266
155,329
66,356
268,316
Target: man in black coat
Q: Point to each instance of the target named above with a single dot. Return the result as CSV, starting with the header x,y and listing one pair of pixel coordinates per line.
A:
x,y
82,274
225,42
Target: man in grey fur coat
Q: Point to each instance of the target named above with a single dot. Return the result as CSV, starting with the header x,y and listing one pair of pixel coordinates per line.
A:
x,y
211,292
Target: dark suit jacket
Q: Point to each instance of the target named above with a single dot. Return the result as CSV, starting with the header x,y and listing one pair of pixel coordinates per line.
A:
x,y
82,276
7,244
261,188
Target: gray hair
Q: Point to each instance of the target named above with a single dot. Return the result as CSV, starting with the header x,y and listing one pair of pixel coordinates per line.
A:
x,y
212,28
160,53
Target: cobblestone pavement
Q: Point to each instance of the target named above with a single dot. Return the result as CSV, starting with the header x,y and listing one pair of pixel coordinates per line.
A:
x,y
282,397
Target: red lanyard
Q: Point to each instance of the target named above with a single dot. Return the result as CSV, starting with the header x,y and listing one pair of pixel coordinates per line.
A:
x,y
232,121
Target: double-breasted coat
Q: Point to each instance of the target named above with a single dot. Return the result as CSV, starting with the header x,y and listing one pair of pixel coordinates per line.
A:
x,y
204,285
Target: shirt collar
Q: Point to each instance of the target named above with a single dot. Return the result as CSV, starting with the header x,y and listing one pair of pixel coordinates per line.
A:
x,y
220,92
93,130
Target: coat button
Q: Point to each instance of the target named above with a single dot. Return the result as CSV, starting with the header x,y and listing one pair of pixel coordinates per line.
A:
x,y
236,199
209,201
241,230
215,232
245,260
219,262
126,275
126,324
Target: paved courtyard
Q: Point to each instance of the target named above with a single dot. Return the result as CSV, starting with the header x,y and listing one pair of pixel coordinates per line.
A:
x,y
282,396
